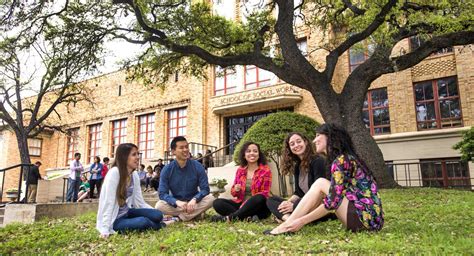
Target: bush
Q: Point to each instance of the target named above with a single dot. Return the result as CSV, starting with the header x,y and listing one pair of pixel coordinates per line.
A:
x,y
466,145
270,132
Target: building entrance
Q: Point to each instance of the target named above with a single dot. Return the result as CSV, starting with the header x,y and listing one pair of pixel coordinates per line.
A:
x,y
237,126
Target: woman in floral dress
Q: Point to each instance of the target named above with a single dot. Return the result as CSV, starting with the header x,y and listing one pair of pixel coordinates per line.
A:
x,y
351,193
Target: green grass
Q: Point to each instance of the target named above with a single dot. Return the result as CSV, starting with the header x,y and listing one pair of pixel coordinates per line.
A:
x,y
417,221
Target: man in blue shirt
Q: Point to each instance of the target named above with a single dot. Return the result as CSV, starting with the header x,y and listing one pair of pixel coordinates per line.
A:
x,y
179,183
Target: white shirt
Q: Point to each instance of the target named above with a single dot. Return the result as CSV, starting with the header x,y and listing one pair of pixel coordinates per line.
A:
x,y
75,166
108,204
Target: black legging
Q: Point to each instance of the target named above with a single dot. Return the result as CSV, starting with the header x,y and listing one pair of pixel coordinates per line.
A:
x,y
95,184
256,205
275,201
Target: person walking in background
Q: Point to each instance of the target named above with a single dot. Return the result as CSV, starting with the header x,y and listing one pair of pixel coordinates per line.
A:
x,y
121,204
299,159
105,167
95,179
184,187
32,182
251,188
74,180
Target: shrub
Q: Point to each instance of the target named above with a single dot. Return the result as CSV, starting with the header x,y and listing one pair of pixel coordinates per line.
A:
x,y
466,145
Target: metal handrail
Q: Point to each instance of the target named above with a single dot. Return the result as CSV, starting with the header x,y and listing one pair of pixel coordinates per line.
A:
x,y
19,180
217,150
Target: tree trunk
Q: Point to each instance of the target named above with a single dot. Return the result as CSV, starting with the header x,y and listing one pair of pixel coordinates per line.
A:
x,y
368,150
22,140
339,111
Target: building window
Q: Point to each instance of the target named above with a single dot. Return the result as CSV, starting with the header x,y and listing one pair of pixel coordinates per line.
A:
x,y
177,120
359,54
437,104
375,112
416,41
34,147
256,77
94,141
445,173
146,135
72,141
225,81
119,134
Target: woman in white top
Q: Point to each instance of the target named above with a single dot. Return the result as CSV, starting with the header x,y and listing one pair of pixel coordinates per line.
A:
x,y
121,204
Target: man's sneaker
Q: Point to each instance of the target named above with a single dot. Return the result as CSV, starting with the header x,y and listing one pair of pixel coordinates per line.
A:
x,y
171,220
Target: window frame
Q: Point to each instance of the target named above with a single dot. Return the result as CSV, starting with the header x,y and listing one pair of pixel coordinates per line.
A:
x,y
30,147
121,137
370,110
258,83
177,128
227,81
444,179
436,101
72,140
93,137
148,151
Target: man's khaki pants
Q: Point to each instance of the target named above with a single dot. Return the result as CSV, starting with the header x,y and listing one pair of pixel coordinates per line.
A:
x,y
32,193
201,207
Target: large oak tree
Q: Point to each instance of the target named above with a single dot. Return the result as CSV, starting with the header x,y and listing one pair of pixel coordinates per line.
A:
x,y
186,35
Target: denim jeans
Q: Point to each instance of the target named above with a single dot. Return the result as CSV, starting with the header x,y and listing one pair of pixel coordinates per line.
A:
x,y
73,190
139,220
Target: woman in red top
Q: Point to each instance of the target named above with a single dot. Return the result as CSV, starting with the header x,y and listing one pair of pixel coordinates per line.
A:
x,y
251,188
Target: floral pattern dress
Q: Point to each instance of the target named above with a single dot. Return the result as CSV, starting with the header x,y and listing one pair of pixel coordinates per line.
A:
x,y
350,179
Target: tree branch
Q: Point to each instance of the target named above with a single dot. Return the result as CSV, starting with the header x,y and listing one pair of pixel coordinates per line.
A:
x,y
334,55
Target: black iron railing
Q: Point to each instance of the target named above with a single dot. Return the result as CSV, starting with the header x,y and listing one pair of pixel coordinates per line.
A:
x,y
24,169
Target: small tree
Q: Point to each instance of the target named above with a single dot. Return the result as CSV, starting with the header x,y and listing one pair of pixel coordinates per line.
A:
x,y
45,50
466,145
270,133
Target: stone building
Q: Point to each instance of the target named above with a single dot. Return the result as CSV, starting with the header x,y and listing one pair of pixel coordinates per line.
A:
x,y
415,115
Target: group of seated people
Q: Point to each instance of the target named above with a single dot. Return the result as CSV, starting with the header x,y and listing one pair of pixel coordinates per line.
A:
x,y
330,180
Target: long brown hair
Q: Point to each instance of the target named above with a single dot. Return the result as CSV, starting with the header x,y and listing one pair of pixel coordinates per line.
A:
x,y
121,159
290,160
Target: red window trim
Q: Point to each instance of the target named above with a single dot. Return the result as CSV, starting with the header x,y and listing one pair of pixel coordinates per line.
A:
x,y
227,72
93,150
444,171
120,136
370,109
72,140
178,117
257,77
438,120
147,134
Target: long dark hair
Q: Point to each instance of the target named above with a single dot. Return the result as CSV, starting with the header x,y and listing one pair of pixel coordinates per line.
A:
x,y
261,157
339,143
290,160
121,159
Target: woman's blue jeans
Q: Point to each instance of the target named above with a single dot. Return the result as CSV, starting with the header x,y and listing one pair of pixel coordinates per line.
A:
x,y
139,220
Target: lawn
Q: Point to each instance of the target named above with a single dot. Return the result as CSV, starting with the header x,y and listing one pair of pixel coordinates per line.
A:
x,y
417,221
